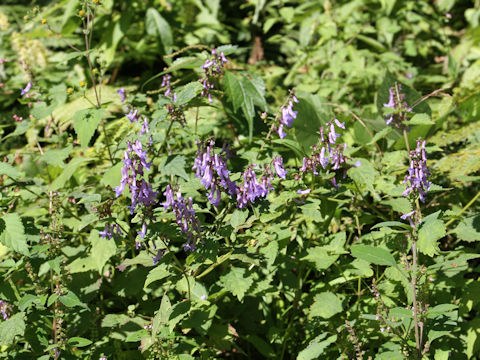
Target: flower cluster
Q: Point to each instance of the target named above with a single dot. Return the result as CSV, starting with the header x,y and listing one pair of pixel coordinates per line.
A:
x,y
288,115
211,168
135,161
416,178
398,107
166,84
251,189
175,112
212,68
185,216
328,153
111,230
4,308
122,94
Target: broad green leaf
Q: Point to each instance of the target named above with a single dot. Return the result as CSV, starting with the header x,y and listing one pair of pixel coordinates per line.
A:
x,y
373,255
238,217
390,224
421,119
71,300
14,326
79,341
113,176
138,335
158,273
236,282
307,123
325,305
13,233
9,170
67,173
469,229
85,122
179,311
236,93
82,265
188,92
320,257
175,165
316,348
157,26
261,345
363,175
56,157
161,316
102,249
428,235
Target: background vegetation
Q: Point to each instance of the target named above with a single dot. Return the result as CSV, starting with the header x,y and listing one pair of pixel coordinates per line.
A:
x,y
327,274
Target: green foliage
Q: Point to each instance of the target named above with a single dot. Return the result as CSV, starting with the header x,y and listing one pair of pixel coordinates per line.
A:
x,y
310,271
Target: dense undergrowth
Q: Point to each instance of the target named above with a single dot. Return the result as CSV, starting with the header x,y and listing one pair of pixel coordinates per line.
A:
x,y
204,179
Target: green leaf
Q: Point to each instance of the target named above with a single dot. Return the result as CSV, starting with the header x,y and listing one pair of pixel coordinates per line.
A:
x,y
179,311
469,229
113,176
421,119
428,235
71,300
188,92
364,174
236,282
373,255
175,165
102,249
390,224
79,341
261,345
9,170
14,326
13,234
67,173
157,26
56,157
238,217
138,335
158,273
316,348
320,257
308,122
325,305
236,93
85,122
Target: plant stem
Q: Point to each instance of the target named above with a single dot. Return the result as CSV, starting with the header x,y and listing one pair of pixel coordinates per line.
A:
x,y
464,209
414,294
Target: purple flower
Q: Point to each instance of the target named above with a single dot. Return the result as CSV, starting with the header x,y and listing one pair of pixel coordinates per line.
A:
x,y
111,230
251,188
121,92
133,115
416,178
27,89
166,84
212,68
3,309
278,166
398,105
212,171
409,217
304,192
185,217
288,115
145,129
143,231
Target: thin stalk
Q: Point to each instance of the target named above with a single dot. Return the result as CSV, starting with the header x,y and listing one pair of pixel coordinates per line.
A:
x,y
405,136
414,293
449,222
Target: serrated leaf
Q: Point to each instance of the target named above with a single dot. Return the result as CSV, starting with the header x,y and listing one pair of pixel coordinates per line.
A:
x,y
85,122
428,235
320,257
56,157
157,26
237,95
373,255
9,170
175,165
179,311
316,348
238,217
14,326
236,282
188,92
13,234
469,229
79,341
325,305
158,273
72,300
